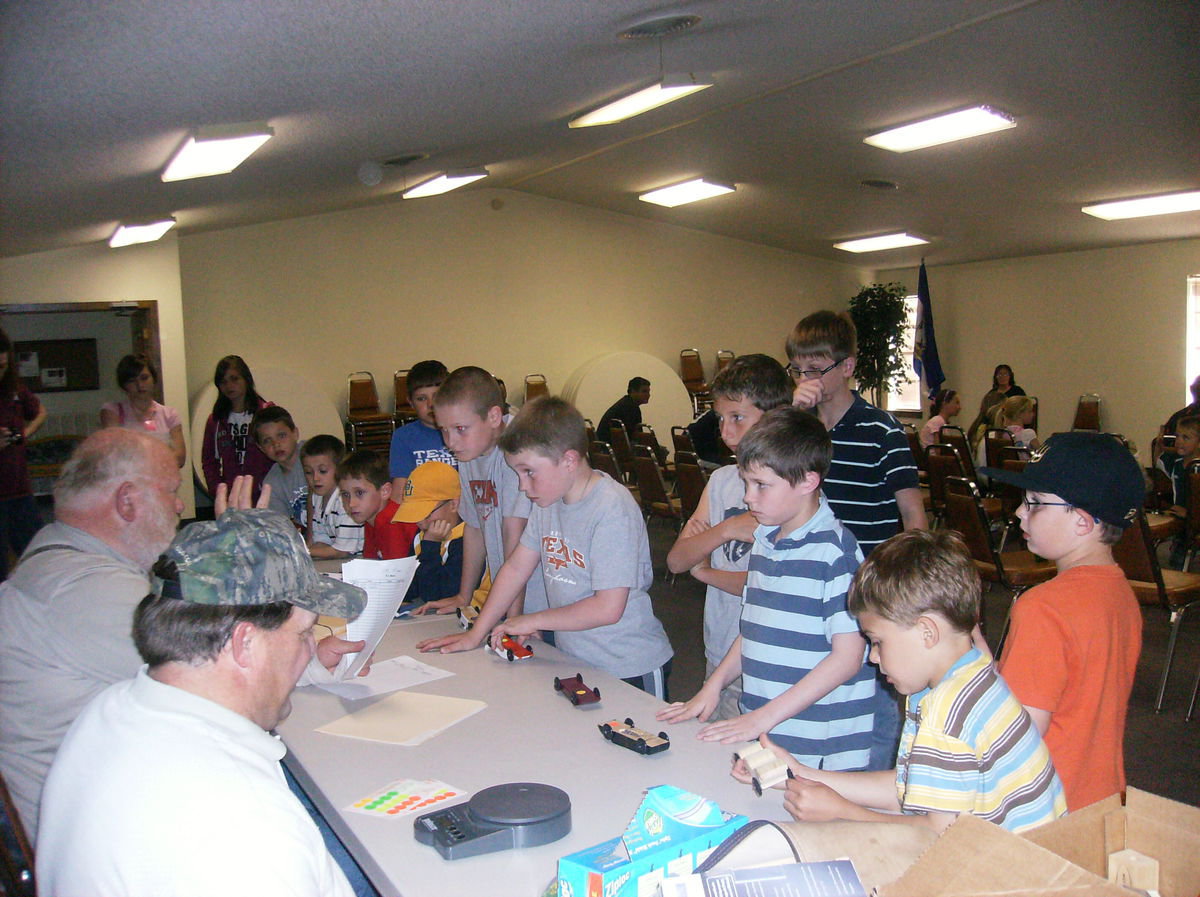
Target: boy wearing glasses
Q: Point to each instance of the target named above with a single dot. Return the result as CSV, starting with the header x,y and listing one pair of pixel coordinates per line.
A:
x,y
872,481
1072,651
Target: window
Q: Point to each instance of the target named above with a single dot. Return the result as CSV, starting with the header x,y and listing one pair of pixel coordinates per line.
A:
x,y
908,396
1192,364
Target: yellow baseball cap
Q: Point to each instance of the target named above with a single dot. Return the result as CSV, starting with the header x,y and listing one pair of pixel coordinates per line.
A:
x,y
428,485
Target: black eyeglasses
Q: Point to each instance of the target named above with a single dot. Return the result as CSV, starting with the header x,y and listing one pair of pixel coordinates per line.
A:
x,y
796,374
1032,504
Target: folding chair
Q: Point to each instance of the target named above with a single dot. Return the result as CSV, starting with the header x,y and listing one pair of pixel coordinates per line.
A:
x,y
644,435
1015,570
1087,413
724,359
600,457
367,426
994,440
402,409
653,490
622,448
16,854
954,436
535,385
1173,590
590,429
681,439
941,462
691,372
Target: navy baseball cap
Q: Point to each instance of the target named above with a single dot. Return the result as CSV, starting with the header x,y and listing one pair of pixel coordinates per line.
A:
x,y
1093,471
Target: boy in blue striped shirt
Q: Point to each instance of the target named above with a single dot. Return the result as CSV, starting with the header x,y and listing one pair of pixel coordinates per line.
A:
x,y
968,744
800,654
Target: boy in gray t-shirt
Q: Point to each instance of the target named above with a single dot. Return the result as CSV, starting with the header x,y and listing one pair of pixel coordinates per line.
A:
x,y
588,536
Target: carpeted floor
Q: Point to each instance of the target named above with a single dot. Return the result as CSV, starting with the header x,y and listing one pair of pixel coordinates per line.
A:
x,y
1162,751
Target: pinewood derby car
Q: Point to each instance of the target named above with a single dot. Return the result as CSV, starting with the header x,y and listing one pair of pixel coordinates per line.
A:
x,y
575,691
627,735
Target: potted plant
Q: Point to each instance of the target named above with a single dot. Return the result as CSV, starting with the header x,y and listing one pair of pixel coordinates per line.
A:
x,y
879,317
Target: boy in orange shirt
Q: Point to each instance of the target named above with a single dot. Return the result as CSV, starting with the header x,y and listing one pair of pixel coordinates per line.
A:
x,y
1071,655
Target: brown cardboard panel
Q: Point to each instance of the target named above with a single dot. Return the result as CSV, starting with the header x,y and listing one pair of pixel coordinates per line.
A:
x,y
1078,836
977,858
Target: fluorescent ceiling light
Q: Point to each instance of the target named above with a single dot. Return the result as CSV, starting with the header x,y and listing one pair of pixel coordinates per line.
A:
x,y
1167,204
942,129
216,150
128,234
689,191
444,183
668,90
875,244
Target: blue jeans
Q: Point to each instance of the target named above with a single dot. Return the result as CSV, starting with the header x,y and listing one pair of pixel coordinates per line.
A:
x,y
885,741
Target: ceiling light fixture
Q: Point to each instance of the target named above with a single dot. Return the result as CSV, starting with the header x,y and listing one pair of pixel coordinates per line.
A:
x,y
668,90
216,150
943,129
444,183
1167,204
875,244
128,234
689,191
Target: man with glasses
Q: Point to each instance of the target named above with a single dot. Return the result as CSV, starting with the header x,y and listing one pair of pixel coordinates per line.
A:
x,y
1072,651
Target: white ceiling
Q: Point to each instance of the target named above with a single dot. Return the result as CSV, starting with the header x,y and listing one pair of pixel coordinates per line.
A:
x,y
95,95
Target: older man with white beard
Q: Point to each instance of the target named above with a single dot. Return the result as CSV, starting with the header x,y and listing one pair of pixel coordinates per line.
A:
x,y
67,609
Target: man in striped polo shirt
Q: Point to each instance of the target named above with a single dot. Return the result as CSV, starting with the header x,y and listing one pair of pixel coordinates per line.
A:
x,y
872,482
968,746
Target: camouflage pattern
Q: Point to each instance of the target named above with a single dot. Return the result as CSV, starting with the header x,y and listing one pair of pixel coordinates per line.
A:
x,y
256,557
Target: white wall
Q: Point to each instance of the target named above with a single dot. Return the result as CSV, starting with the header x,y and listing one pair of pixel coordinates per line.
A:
x,y
96,273
1108,321
535,286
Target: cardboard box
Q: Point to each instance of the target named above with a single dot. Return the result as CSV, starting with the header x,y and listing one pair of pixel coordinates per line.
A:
x,y
671,832
1154,826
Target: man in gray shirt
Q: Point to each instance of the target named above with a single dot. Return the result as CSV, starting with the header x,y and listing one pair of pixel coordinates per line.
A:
x,y
66,611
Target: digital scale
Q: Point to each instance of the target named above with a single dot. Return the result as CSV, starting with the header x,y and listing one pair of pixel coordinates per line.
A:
x,y
518,814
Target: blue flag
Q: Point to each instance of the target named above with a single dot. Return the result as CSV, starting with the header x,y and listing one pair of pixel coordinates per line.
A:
x,y
925,354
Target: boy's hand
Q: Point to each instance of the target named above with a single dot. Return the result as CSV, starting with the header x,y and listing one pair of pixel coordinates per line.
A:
x,y
436,530
694,527
742,773
451,644
740,528
441,606
808,393
518,627
699,707
746,727
809,801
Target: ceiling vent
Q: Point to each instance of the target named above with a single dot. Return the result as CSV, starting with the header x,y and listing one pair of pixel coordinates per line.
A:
x,y
668,26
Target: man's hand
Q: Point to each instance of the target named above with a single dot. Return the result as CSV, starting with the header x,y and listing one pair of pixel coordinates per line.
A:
x,y
240,496
451,644
331,649
441,606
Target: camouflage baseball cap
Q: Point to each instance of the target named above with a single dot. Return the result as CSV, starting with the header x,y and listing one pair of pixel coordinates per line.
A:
x,y
254,557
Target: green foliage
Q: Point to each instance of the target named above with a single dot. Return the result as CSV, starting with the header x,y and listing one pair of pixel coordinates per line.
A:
x,y
879,316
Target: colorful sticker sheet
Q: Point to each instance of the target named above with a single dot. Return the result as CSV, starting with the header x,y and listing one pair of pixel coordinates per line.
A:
x,y
406,796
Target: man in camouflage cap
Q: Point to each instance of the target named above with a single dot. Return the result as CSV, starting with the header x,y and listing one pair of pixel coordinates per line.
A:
x,y
170,783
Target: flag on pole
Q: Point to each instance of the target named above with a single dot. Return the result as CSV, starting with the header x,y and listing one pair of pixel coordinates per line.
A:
x,y
925,354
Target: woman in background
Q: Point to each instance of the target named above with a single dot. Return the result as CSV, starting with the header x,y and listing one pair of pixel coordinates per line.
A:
x,y
21,414
139,410
229,450
1004,385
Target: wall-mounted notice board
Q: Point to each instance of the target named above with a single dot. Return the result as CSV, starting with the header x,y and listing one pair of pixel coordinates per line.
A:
x,y
58,365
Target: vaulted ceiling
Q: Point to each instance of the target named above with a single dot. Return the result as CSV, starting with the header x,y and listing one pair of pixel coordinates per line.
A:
x,y
95,95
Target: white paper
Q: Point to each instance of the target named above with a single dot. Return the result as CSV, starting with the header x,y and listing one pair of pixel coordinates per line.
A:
x,y
386,583
385,676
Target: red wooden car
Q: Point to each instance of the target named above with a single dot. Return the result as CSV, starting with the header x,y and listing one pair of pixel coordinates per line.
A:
x,y
575,691
511,649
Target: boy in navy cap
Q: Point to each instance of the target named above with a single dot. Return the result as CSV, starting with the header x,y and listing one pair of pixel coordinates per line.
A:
x,y
1072,652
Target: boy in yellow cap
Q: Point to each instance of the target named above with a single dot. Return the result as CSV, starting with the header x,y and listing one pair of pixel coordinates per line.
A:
x,y
431,496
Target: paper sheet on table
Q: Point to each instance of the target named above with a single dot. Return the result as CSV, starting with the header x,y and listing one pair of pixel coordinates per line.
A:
x,y
385,676
386,583
407,718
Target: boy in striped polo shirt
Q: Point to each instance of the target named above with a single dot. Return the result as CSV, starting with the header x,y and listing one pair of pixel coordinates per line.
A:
x,y
968,744
801,657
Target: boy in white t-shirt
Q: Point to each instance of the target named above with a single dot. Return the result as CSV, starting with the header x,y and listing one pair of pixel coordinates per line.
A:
x,y
332,533
714,545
